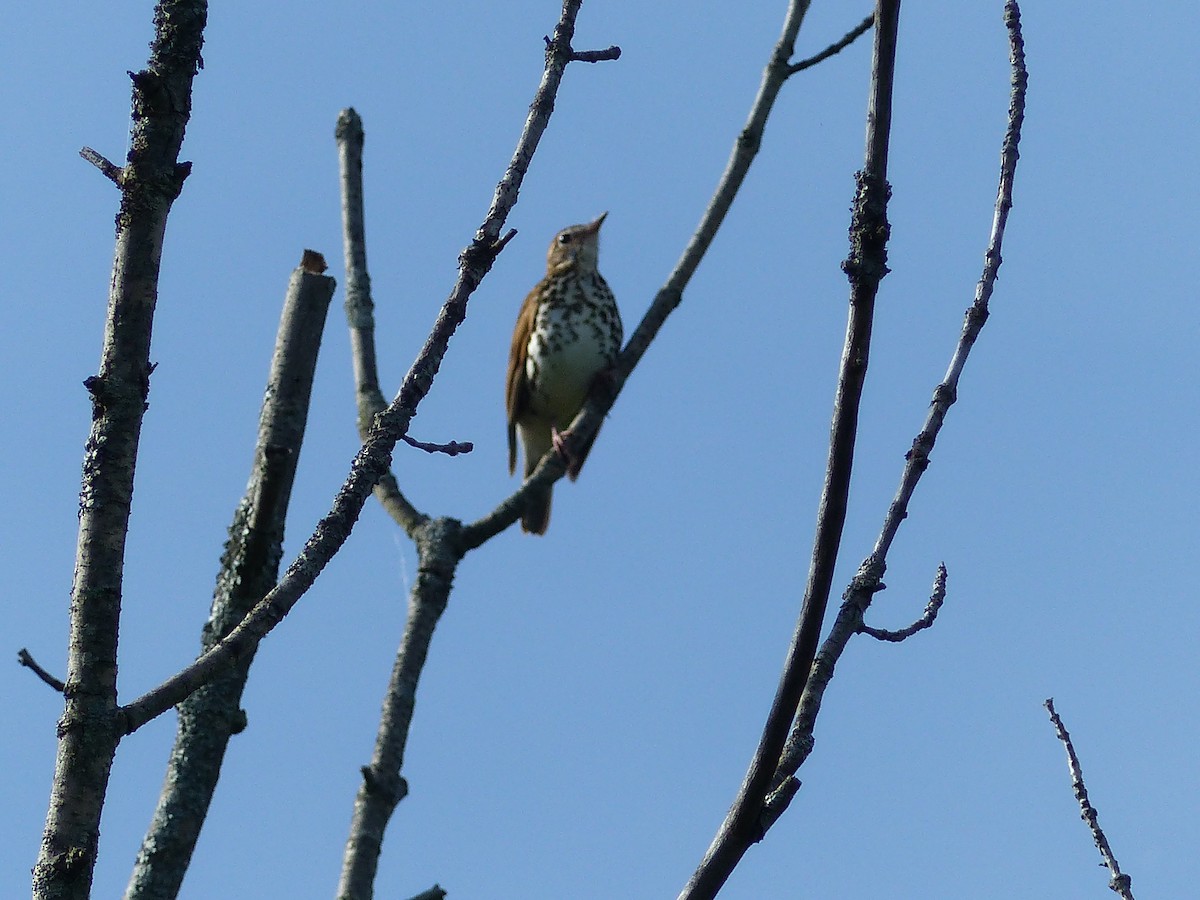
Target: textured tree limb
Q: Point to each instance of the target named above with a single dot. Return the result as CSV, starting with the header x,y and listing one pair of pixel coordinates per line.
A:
x,y
866,265
868,580
1120,883
25,658
439,543
151,180
249,567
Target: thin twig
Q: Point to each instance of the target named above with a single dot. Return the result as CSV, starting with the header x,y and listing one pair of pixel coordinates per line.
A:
x,y
936,599
591,56
837,47
26,659
1120,883
868,580
454,448
111,171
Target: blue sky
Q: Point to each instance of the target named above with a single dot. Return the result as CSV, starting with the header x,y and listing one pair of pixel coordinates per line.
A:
x,y
592,697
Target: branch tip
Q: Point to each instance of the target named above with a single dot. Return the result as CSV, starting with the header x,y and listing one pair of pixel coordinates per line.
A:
x,y
25,658
109,170
454,448
1119,883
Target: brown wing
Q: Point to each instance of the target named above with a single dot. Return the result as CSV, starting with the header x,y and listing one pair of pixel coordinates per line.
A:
x,y
516,389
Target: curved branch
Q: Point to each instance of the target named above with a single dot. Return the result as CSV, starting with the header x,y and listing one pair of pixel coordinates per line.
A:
x,y
936,599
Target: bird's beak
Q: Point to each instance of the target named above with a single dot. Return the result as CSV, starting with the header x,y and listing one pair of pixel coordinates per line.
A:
x,y
594,227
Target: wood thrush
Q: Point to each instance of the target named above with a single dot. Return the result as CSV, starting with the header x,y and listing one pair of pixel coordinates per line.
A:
x,y
568,332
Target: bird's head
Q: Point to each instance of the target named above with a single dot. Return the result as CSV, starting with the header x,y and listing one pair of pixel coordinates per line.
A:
x,y
578,245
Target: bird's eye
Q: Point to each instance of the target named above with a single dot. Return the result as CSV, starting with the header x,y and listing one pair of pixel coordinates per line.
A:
x,y
565,237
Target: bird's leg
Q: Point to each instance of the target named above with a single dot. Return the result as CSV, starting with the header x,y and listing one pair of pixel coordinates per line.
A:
x,y
560,441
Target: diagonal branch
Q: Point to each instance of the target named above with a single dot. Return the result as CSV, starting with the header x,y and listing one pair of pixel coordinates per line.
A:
x,y
835,48
25,658
1120,883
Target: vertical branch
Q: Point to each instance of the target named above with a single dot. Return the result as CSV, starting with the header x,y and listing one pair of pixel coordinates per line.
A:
x,y
360,309
383,787
249,567
865,267
150,181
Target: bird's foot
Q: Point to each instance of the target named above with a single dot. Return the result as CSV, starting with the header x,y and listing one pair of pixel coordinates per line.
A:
x,y
563,442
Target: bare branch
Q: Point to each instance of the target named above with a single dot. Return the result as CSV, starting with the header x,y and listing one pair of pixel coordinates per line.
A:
x,y
434,893
153,177
837,47
383,787
26,659
360,311
110,170
594,56
454,448
868,580
936,599
591,56
1120,883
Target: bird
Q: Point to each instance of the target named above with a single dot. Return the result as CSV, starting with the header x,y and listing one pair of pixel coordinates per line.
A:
x,y
568,332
